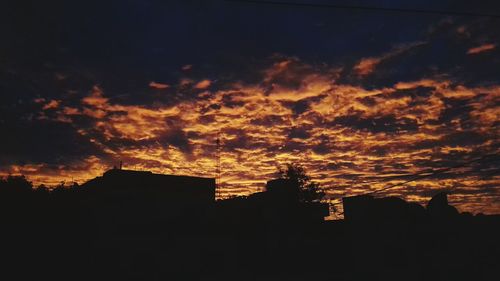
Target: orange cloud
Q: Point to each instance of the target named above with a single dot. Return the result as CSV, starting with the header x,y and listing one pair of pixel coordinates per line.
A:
x,y
481,49
159,86
70,111
51,105
349,138
95,98
51,176
367,65
203,84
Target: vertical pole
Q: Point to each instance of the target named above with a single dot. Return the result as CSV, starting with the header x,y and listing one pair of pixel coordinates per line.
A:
x,y
218,194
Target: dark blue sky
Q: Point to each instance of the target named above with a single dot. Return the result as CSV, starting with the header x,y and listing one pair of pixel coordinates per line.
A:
x,y
147,40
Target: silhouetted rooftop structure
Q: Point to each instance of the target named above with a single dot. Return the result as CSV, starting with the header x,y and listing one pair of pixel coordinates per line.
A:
x,y
173,187
438,206
369,208
127,197
278,203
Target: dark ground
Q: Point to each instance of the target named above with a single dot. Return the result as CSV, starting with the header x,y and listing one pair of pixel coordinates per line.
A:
x,y
69,235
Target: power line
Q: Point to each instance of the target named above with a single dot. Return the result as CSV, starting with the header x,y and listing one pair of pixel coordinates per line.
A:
x,y
432,174
369,8
424,174
399,177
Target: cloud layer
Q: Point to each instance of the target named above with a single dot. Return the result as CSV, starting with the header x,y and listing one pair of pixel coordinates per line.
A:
x,y
351,139
359,111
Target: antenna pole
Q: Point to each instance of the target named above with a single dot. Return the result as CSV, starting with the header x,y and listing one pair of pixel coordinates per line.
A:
x,y
218,184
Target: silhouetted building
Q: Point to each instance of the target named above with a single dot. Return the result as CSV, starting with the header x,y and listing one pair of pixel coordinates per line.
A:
x,y
368,208
280,190
169,188
279,202
438,206
357,207
142,197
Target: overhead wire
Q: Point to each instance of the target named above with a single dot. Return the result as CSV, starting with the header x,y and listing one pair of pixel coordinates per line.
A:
x,y
369,8
422,175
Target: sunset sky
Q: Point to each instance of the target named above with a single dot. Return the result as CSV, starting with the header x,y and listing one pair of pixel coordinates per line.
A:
x,y
362,99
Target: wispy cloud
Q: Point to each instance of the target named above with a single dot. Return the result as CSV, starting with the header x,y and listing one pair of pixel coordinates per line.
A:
x,y
203,84
367,65
156,85
481,49
51,104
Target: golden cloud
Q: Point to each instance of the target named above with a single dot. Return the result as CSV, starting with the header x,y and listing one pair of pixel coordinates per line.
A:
x,y
349,138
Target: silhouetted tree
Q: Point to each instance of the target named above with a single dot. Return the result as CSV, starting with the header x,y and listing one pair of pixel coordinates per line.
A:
x,y
15,184
306,189
42,188
60,188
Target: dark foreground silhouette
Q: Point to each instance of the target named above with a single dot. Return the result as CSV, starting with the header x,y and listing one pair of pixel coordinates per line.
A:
x,y
130,225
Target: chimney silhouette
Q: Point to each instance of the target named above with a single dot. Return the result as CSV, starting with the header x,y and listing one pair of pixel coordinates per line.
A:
x,y
121,164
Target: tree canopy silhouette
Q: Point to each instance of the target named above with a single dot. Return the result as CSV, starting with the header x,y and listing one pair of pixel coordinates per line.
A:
x,y
16,184
298,181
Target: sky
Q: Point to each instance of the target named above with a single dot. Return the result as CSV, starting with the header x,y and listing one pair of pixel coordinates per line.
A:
x,y
361,99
